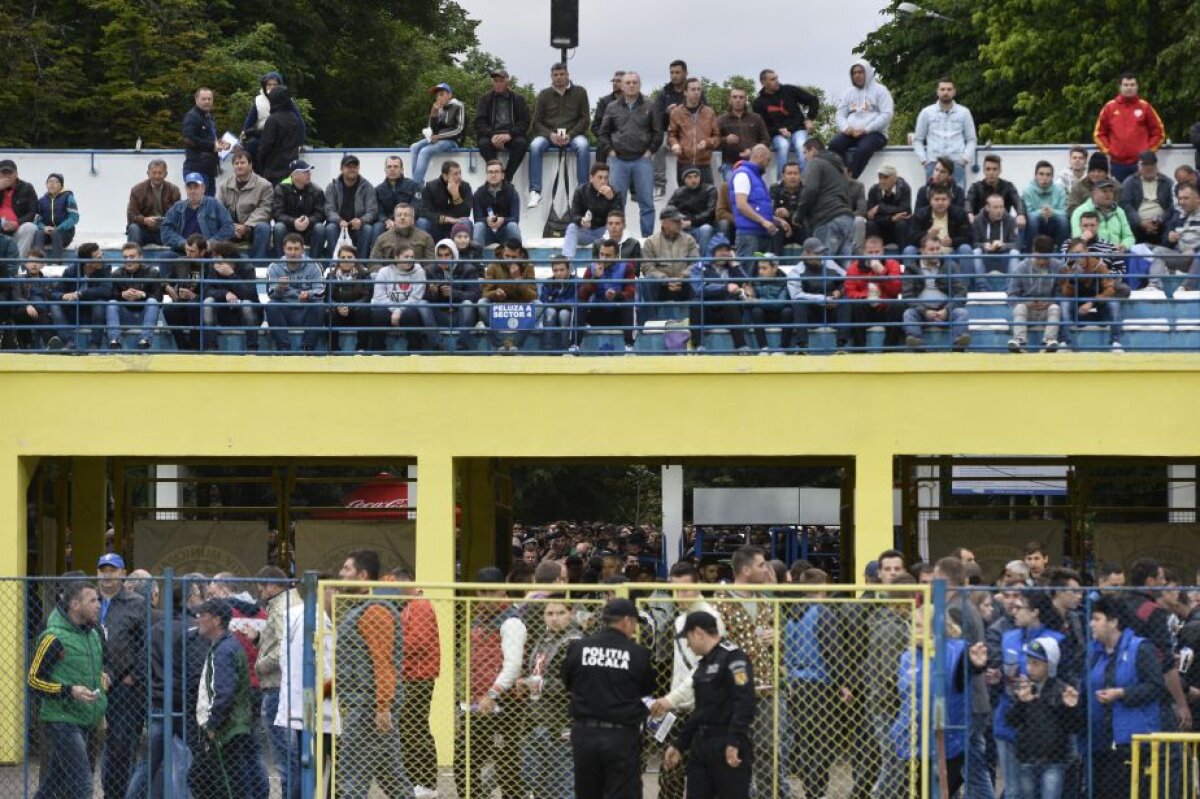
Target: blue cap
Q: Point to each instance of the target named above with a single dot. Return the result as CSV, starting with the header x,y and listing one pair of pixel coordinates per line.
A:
x,y
193,177
111,559
441,87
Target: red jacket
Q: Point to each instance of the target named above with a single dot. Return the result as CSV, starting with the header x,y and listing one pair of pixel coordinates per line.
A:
x,y
859,276
422,647
1126,127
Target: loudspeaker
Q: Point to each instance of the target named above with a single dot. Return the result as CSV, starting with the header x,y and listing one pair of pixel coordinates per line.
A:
x,y
564,24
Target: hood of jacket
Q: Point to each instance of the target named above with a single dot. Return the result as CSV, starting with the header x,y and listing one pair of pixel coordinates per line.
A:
x,y
280,99
272,75
867,68
446,243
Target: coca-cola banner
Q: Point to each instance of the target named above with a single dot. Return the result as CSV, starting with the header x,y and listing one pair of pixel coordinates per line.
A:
x,y
209,547
322,544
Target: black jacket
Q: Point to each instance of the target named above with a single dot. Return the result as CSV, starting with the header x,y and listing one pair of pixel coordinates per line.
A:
x,y
95,287
463,279
960,227
350,291
607,675
958,197
786,108
435,201
598,116
631,132
144,279
240,283
282,136
124,631
30,290
980,191
724,685
896,201
199,139
24,200
586,198
486,125
289,204
699,204
505,203
1044,725
388,196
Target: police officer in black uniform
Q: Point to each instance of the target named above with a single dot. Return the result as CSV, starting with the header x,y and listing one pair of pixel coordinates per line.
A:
x,y
608,674
717,735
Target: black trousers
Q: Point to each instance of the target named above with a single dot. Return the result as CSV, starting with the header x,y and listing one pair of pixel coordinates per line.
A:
x,y
516,149
416,738
709,776
608,763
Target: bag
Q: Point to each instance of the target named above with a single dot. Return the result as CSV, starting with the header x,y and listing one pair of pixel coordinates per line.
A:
x,y
344,239
556,223
677,335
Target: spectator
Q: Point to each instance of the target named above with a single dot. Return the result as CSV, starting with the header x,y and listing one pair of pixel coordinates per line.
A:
x,y
1147,198
419,671
18,208
296,289
1127,126
1090,294
938,297
632,131
1185,175
668,256
82,293
298,206
864,115
771,304
602,105
511,279
991,184
947,222
1032,292
31,296
785,197
1148,618
136,293
995,234
1089,233
889,631
282,136
858,206
889,209
545,752
445,200
148,204
348,290
740,129
404,232
872,293
182,286
399,296
196,213
502,124
592,202
692,133
722,286
615,230
202,145
945,128
58,214
1126,682
669,97
1036,560
247,197
696,202
231,296
789,113
1180,242
559,299
606,292
753,212
350,206
282,601
260,110
452,289
444,132
1046,206
943,175
814,290
1076,170
825,208
65,674
497,208
560,120
1097,171
394,189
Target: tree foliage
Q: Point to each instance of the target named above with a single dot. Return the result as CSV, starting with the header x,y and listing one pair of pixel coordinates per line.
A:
x,y
103,73
1036,71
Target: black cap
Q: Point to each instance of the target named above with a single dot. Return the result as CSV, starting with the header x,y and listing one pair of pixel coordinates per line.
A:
x,y
691,170
619,609
349,158
1097,161
1105,183
489,574
216,607
699,620
669,212
8,165
1148,157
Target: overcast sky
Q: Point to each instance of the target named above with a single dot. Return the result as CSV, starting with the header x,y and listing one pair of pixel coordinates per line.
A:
x,y
646,35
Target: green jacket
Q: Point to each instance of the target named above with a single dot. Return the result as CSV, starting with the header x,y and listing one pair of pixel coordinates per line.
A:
x,y
1114,226
66,655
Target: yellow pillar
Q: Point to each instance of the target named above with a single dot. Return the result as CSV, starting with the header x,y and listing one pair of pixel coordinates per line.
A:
x,y
89,511
478,515
16,474
873,516
435,564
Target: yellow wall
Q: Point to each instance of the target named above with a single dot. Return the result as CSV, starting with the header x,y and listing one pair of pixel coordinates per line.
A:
x,y
438,410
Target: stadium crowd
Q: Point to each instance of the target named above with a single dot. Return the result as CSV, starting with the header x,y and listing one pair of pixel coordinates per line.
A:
x,y
1049,671
817,248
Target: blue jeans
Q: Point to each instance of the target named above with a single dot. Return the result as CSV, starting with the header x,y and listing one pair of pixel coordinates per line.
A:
x,y
119,314
577,235
838,235
1056,227
1009,768
702,235
284,751
1106,313
314,237
423,152
140,234
259,241
913,320
547,763
558,321
68,774
987,267
452,318
365,755
856,153
150,768
782,145
304,315
975,766
484,235
537,149
639,171
1041,780
750,243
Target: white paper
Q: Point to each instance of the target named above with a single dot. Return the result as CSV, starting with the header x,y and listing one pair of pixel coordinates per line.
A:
x,y
232,141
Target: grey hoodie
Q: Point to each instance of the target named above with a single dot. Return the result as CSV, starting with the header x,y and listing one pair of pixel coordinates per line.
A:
x,y
396,287
1029,283
869,108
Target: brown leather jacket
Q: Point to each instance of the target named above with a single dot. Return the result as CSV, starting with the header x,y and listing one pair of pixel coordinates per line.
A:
x,y
696,134
142,204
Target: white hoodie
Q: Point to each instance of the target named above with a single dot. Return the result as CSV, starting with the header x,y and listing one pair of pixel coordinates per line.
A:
x,y
869,108
395,287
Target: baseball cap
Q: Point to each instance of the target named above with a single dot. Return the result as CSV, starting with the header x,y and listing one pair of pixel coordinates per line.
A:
x,y
872,570
300,165
1046,650
669,212
1148,157
499,73
699,620
489,574
349,158
111,559
1105,183
216,607
814,245
889,170
189,178
8,165
619,609
440,88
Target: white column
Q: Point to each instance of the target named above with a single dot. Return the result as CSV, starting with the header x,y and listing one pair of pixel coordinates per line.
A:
x,y
166,494
1181,496
672,510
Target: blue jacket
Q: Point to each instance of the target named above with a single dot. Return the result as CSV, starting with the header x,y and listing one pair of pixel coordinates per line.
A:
x,y
199,141
557,292
707,280
759,199
388,196
1014,640
60,211
214,218
803,643
1139,673
958,704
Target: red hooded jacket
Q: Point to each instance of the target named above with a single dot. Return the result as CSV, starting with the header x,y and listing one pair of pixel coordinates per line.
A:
x,y
1126,127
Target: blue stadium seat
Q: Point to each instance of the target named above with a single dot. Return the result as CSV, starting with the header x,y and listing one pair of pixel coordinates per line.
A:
x,y
602,341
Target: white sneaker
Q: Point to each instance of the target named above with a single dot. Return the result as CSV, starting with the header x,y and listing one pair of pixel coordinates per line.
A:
x,y
421,792
1116,347
535,197
1015,345
629,349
